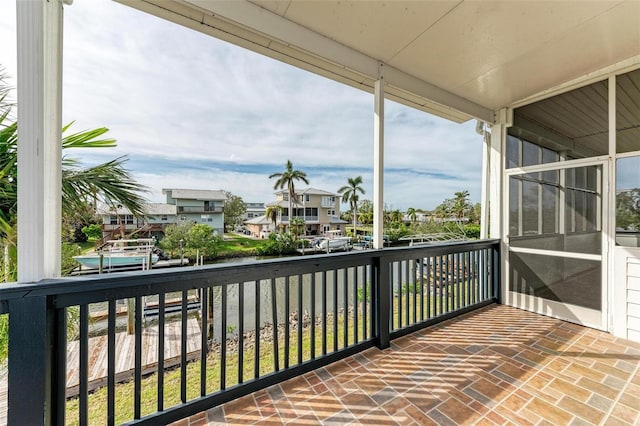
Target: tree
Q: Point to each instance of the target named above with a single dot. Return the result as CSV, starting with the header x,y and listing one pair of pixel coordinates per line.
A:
x,y
109,182
272,214
234,209
411,212
350,195
461,205
286,179
297,226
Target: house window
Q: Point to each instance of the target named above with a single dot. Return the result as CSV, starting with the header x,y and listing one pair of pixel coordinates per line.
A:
x,y
331,212
183,218
163,218
285,196
307,198
206,218
113,220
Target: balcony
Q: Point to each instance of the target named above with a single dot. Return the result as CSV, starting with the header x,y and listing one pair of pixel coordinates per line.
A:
x,y
203,209
495,365
327,338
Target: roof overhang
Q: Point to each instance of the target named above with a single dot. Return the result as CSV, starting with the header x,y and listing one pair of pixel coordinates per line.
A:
x,y
455,59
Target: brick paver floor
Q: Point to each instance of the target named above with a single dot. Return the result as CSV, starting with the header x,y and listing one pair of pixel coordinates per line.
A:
x,y
497,365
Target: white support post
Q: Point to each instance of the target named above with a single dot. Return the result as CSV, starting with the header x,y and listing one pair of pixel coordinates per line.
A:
x,y
39,37
498,206
484,196
496,168
378,162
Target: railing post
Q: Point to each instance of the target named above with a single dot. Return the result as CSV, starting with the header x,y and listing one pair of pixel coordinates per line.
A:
x,y
495,272
383,301
31,361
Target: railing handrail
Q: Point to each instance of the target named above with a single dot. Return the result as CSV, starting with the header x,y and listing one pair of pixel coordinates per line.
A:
x,y
220,273
37,310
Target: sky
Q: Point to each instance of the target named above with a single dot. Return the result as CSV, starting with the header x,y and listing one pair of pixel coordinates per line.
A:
x,y
192,111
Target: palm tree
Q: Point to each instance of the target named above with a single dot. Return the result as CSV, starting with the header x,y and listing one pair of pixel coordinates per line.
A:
x,y
272,214
411,212
461,204
349,194
286,179
110,182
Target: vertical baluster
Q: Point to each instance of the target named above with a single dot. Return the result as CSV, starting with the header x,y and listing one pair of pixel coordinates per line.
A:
x,y
223,336
183,347
478,277
335,310
431,286
60,376
441,266
241,332
111,363
365,302
324,312
420,282
413,278
84,365
312,324
398,266
300,319
137,381
454,288
355,304
204,341
161,308
274,321
256,354
345,309
286,321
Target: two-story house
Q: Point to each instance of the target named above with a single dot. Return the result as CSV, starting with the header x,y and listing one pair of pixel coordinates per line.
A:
x,y
199,206
118,221
254,210
319,209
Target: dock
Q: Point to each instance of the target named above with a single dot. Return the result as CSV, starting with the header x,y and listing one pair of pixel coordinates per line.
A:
x,y
125,357
171,263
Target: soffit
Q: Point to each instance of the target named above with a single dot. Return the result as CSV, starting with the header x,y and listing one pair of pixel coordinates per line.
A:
x,y
456,59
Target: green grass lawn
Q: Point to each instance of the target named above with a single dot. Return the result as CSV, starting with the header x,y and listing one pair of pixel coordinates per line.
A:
x,y
236,244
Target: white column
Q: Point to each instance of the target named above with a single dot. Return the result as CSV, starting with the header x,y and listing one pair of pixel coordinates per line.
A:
x,y
378,162
39,36
498,206
496,168
484,196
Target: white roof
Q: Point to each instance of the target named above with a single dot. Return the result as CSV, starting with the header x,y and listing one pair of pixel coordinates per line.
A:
x,y
260,220
311,191
457,59
196,194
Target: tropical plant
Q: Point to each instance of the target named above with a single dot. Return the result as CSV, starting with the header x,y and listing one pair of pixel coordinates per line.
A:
x,y
461,206
278,245
286,179
297,226
108,182
272,213
350,195
411,213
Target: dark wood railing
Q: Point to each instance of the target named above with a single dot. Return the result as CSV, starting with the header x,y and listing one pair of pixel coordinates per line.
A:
x,y
259,324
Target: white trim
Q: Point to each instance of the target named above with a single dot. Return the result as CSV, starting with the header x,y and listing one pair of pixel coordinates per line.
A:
x,y
556,253
39,37
627,65
378,162
627,154
569,164
564,311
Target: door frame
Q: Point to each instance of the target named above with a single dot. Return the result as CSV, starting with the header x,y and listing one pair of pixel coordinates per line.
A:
x,y
572,313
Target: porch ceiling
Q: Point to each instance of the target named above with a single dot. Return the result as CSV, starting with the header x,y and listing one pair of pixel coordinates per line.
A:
x,y
456,59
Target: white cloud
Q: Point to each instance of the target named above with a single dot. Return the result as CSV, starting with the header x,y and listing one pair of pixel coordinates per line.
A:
x,y
192,111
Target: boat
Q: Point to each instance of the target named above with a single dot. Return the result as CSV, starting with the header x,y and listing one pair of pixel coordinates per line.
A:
x,y
121,253
334,244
